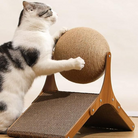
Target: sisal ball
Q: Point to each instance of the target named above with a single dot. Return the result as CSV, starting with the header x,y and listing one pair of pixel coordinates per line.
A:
x,y
85,43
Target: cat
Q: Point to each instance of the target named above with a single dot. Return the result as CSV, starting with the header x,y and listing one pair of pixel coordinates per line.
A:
x,y
28,56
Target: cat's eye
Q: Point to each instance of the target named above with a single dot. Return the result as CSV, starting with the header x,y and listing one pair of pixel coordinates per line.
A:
x,y
44,12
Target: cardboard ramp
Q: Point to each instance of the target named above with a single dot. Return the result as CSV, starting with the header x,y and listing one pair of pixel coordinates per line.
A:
x,y
57,114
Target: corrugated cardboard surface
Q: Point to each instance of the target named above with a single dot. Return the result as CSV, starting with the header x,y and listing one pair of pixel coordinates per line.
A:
x,y
52,114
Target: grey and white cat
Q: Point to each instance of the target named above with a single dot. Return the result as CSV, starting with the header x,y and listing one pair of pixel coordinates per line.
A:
x,y
28,56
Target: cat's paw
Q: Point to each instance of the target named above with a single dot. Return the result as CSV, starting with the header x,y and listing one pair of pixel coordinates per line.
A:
x,y
79,63
62,31
58,34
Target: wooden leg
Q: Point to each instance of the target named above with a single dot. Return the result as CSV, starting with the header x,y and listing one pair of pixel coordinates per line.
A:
x,y
107,97
50,84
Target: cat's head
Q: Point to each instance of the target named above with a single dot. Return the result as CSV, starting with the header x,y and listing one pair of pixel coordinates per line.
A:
x,y
39,12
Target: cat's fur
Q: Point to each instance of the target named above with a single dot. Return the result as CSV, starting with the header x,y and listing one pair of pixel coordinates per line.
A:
x,y
28,56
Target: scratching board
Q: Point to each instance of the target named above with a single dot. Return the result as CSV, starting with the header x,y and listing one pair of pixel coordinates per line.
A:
x,y
57,114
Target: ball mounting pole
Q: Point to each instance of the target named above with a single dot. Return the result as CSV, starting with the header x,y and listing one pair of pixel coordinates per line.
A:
x,y
56,114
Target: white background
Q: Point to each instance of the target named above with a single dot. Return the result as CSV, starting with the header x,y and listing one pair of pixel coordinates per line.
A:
x,y
116,20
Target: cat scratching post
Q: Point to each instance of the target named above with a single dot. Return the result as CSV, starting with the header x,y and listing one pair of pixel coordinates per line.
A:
x,y
56,114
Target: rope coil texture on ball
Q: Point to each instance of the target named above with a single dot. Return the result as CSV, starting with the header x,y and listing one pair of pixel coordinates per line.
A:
x,y
88,44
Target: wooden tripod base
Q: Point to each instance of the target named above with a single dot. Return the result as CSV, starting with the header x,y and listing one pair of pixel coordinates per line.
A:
x,y
56,114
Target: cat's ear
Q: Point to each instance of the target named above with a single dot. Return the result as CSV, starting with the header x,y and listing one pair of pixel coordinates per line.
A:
x,y
28,6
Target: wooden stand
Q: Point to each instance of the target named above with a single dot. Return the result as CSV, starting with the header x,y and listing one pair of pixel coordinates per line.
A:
x,y
56,114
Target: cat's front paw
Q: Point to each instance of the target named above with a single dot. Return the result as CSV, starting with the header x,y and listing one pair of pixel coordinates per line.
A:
x,y
58,34
79,63
62,31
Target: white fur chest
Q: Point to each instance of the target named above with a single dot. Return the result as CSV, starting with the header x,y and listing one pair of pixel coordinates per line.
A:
x,y
35,39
